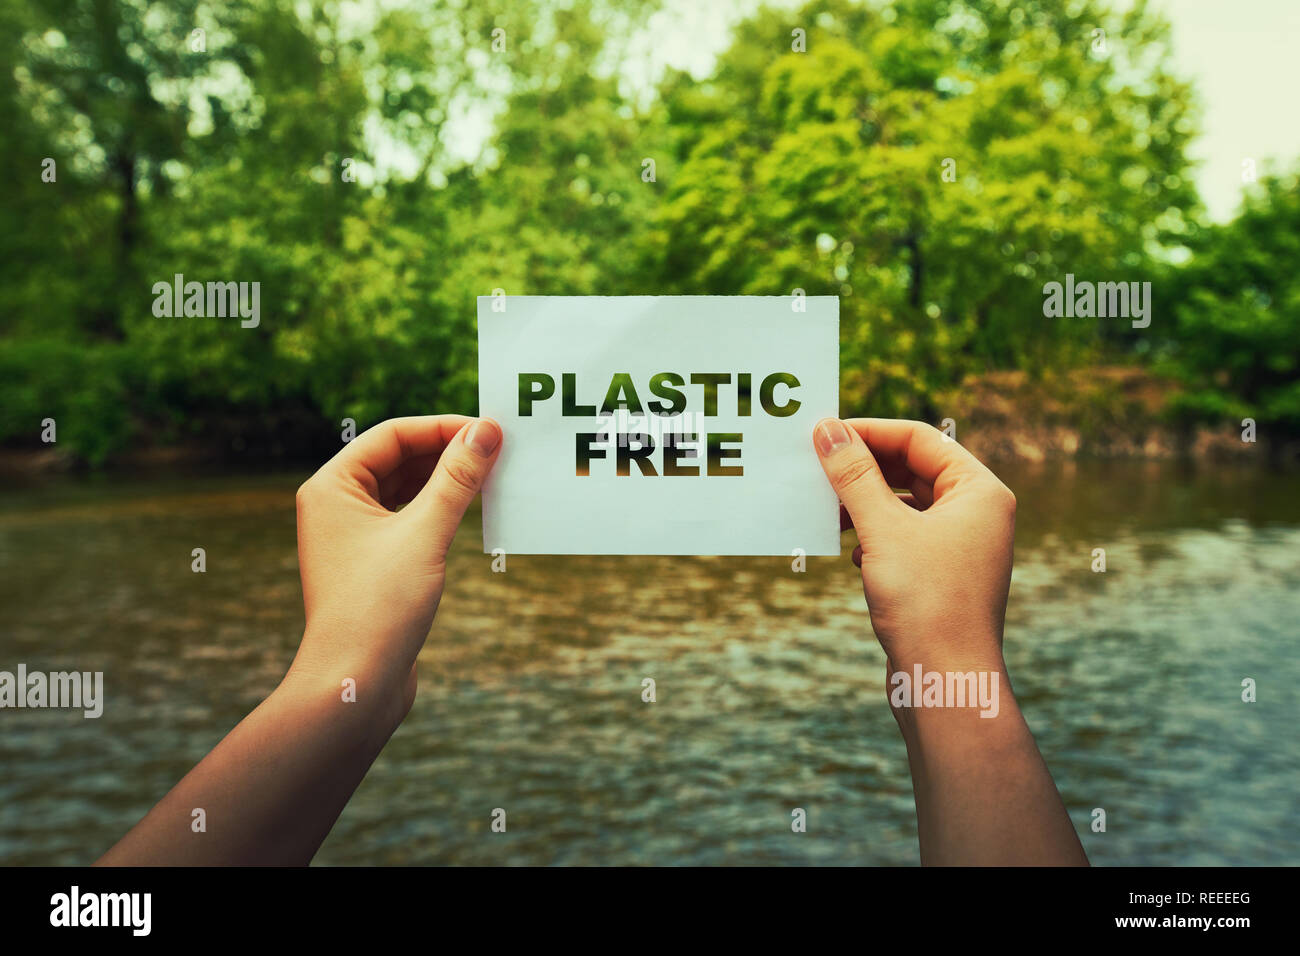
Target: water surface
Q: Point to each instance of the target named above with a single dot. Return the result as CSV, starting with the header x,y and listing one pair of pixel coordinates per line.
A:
x,y
770,686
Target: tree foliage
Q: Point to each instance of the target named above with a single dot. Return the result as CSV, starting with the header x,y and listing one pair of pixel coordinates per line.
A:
x,y
1236,303
822,170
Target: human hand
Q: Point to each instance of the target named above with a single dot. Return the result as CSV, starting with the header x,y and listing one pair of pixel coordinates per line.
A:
x,y
936,560
371,580
372,576
936,569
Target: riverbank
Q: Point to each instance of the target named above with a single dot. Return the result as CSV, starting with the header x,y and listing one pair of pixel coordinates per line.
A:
x,y
1101,412
1112,412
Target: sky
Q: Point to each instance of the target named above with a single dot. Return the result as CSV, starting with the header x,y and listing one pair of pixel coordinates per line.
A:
x,y
1243,57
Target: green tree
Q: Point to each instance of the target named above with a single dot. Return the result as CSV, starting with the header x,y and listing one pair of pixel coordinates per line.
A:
x,y
934,163
1236,307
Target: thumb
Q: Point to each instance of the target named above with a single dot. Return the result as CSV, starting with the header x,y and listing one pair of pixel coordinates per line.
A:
x,y
457,478
854,474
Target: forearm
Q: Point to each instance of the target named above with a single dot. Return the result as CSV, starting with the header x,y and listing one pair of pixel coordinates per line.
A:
x,y
270,791
984,795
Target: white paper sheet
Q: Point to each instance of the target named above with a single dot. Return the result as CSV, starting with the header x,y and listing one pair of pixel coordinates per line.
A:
x,y
535,502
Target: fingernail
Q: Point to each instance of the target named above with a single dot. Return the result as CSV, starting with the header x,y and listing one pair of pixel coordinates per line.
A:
x,y
831,435
484,436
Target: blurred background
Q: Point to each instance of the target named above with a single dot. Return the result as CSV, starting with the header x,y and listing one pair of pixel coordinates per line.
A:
x,y
378,165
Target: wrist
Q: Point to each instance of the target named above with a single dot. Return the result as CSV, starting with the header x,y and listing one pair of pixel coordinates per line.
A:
x,y
360,711
944,645
955,698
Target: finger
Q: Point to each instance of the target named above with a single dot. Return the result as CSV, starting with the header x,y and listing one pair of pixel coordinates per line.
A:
x,y
920,500
856,556
898,475
928,456
921,492
912,501
906,497
379,451
854,474
404,484
459,475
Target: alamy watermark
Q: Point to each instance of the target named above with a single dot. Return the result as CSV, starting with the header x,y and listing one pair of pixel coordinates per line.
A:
x,y
219,300
1100,300
922,688
74,908
82,690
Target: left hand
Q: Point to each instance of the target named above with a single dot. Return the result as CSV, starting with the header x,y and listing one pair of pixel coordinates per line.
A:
x,y
372,576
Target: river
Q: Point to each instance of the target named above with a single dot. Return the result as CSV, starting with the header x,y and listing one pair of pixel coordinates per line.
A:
x,y
769,685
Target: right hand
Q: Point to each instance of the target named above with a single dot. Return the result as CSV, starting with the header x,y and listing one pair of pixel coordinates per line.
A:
x,y
935,560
